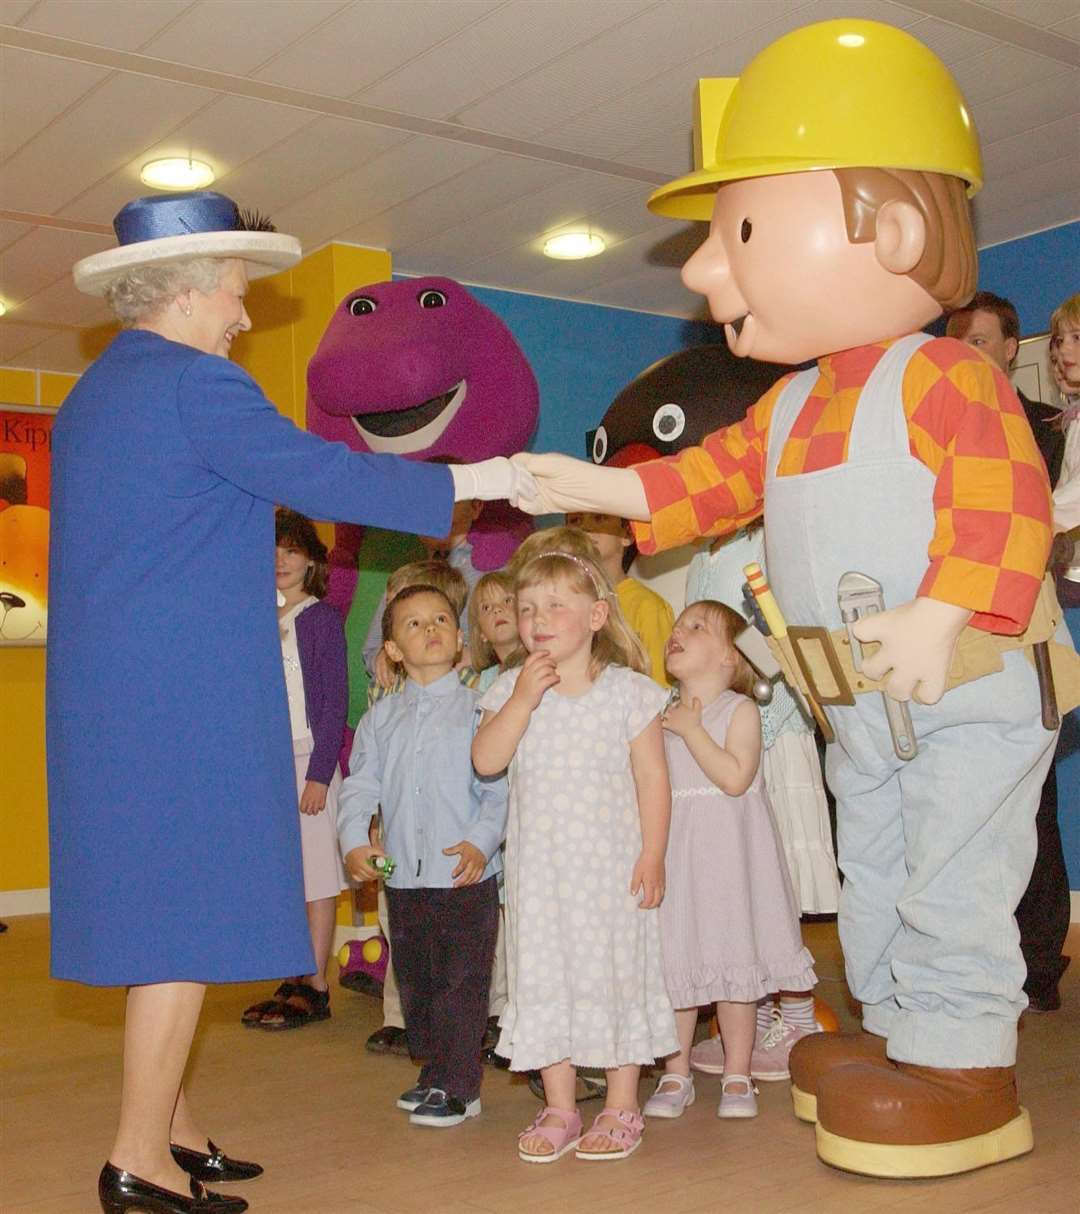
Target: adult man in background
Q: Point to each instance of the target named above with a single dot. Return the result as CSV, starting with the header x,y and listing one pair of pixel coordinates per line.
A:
x,y
990,323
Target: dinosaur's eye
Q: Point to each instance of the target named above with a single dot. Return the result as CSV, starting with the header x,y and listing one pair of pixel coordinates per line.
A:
x,y
431,299
599,445
669,421
362,305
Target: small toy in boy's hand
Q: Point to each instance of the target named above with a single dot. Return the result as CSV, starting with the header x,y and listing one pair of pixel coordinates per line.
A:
x,y
383,865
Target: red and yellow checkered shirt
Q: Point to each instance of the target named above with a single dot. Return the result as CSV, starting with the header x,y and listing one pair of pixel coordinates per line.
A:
x,y
991,500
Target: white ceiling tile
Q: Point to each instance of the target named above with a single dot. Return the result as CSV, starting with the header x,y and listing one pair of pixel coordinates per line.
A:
x,y
305,161
999,71
61,304
226,36
96,138
869,10
41,257
228,133
9,233
1070,27
13,11
951,43
117,23
1029,217
506,44
1035,12
34,89
488,184
524,221
16,340
385,181
1029,148
369,40
1046,180
48,349
658,40
1049,99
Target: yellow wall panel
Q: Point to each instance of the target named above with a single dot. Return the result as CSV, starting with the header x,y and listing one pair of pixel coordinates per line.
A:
x,y
55,386
18,387
24,844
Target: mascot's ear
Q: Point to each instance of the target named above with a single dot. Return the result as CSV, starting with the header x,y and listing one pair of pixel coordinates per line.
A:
x,y
899,237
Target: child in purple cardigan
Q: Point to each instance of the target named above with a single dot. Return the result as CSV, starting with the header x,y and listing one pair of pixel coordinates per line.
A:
x,y
316,679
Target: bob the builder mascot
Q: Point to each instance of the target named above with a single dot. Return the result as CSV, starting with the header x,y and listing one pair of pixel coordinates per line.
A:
x,y
835,173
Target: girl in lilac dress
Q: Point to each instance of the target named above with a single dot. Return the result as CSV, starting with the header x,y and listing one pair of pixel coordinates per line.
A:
x,y
729,925
316,681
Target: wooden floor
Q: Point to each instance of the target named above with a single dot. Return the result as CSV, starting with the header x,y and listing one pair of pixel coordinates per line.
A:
x,y
318,1112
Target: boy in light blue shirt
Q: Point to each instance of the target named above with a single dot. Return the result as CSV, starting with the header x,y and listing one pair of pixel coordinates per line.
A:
x,y
443,825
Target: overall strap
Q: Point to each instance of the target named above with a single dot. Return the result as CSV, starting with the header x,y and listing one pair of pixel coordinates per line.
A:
x,y
880,430
785,412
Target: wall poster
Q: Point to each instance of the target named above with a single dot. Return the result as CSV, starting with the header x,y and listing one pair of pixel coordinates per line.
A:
x,y
25,453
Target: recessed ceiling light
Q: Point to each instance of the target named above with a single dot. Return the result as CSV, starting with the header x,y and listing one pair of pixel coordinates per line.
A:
x,y
177,173
572,246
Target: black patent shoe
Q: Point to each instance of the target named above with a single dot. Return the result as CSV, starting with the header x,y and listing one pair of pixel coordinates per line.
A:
x,y
214,1165
119,1191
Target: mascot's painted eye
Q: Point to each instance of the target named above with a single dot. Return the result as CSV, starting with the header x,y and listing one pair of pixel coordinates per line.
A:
x,y
599,445
669,421
745,230
431,299
362,305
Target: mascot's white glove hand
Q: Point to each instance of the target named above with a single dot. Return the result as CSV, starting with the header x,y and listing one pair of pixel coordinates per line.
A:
x,y
918,641
565,484
491,480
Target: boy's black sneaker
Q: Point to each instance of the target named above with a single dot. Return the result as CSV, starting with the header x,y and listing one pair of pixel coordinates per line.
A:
x,y
413,1098
442,1111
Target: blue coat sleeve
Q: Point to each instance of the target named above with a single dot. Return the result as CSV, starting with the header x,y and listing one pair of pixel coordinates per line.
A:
x,y
242,438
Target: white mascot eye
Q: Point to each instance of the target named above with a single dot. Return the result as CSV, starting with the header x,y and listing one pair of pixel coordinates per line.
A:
x,y
599,445
669,421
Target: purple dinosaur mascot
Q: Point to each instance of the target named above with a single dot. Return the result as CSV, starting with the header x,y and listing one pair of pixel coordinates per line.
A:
x,y
421,368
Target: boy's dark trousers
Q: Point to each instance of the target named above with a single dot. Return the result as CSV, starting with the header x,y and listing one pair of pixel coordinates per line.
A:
x,y
443,945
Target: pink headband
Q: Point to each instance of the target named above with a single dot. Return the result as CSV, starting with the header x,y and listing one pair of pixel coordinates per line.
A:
x,y
569,556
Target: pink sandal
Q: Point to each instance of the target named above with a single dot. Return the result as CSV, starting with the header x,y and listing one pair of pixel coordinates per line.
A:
x,y
626,1136
563,1137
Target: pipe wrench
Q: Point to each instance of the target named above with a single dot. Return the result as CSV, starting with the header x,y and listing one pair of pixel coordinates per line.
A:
x,y
860,596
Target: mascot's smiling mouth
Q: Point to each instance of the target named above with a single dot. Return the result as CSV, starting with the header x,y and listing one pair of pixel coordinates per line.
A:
x,y
402,431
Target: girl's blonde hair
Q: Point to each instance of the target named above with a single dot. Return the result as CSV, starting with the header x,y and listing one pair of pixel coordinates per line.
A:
x,y
730,623
481,651
615,643
1067,314
553,539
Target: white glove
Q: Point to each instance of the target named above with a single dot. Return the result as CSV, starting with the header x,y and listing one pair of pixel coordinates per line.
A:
x,y
918,641
491,480
564,484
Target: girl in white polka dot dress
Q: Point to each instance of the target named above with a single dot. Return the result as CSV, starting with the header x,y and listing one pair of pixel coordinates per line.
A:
x,y
578,726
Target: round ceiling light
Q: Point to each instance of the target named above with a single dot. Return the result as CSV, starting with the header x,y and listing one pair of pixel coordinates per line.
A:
x,y
572,246
177,173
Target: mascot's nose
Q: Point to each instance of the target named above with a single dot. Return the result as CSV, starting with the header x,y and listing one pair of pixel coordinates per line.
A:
x,y
632,453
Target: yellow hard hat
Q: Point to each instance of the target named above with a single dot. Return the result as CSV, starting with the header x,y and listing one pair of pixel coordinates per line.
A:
x,y
838,94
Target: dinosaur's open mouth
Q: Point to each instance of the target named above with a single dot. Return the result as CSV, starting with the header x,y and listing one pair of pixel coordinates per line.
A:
x,y
402,431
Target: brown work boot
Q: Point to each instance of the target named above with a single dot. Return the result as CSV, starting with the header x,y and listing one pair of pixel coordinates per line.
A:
x,y
820,1053
911,1121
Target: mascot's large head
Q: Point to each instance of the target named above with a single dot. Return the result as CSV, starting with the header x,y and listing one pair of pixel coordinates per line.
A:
x,y
421,368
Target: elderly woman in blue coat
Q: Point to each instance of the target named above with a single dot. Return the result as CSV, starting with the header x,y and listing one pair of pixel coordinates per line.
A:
x,y
173,827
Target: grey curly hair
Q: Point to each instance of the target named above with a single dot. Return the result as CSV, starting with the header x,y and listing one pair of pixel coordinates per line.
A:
x,y
143,292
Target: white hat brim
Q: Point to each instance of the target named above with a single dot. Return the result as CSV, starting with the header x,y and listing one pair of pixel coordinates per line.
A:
x,y
264,252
